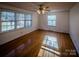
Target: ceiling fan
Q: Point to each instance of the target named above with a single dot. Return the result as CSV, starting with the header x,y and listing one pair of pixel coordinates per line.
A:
x,y
42,9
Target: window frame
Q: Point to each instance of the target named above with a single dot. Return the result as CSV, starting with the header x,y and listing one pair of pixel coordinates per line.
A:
x,y
15,20
28,20
6,21
19,20
51,20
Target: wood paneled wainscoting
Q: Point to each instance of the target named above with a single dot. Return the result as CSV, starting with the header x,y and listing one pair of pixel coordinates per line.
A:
x,y
31,44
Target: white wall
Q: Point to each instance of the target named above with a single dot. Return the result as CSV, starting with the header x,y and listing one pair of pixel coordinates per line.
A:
x,y
8,36
74,25
62,21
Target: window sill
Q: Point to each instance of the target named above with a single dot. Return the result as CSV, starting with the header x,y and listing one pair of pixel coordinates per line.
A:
x,y
51,26
10,30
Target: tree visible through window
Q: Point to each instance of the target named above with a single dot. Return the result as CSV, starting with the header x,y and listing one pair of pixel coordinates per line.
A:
x,y
20,20
28,20
51,20
13,20
7,21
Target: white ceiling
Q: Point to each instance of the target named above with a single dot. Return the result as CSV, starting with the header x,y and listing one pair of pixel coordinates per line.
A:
x,y
34,5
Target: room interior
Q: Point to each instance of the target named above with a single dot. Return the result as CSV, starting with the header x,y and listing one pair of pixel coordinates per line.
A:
x,y
39,29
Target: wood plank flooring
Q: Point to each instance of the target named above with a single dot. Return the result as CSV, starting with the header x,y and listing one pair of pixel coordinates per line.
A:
x,y
30,44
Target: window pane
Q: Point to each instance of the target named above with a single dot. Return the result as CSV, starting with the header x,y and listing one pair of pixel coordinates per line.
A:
x,y
12,27
3,16
19,16
7,26
52,23
51,17
28,23
52,20
20,24
28,17
4,23
12,23
8,23
3,28
7,16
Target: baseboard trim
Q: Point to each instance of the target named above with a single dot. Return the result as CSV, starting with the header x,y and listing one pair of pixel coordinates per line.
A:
x,y
74,45
53,31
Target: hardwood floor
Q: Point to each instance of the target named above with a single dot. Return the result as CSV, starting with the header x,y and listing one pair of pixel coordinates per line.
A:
x,y
30,44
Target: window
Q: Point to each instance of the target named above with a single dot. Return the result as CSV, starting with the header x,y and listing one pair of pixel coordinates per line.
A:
x,y
7,21
51,20
28,20
20,20
12,20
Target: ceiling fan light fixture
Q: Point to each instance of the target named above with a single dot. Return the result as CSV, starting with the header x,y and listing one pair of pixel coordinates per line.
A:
x,y
42,9
38,11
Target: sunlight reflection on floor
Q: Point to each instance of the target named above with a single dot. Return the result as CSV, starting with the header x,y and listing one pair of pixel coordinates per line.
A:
x,y
50,41
49,44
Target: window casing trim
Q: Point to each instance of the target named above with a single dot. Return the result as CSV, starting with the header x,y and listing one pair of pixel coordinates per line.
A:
x,y
15,20
51,20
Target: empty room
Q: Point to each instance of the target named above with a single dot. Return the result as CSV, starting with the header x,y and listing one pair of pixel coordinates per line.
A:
x,y
39,29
